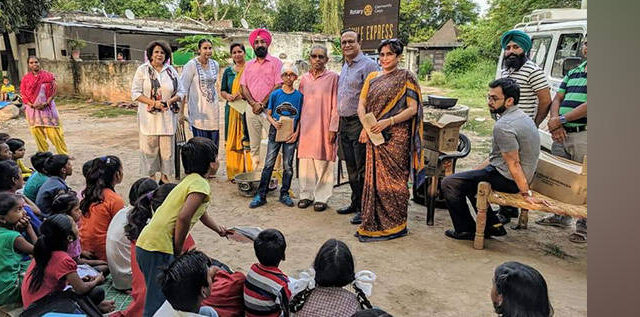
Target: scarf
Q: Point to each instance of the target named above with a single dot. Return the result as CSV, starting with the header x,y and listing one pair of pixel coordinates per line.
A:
x,y
30,86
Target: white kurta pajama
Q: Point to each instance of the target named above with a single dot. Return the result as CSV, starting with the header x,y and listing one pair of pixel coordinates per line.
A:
x,y
157,130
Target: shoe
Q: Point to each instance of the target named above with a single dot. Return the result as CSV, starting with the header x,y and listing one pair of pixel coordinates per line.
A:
x,y
555,221
285,199
346,210
357,219
498,231
257,202
304,203
319,206
451,233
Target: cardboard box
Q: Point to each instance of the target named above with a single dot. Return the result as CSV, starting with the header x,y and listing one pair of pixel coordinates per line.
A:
x,y
431,163
286,130
561,179
443,135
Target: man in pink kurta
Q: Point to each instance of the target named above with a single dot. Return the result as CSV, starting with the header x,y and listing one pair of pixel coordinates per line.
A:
x,y
318,127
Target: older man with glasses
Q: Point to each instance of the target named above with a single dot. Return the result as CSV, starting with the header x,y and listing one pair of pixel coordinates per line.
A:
x,y
355,70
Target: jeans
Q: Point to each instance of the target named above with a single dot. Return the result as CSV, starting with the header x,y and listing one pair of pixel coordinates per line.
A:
x,y
460,186
355,155
151,264
287,161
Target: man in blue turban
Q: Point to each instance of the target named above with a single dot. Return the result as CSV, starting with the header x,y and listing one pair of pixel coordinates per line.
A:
x,y
535,95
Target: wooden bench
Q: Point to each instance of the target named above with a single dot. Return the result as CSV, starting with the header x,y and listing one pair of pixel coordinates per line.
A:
x,y
486,196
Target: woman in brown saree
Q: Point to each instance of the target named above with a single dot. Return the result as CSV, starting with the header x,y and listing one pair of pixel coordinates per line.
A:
x,y
393,96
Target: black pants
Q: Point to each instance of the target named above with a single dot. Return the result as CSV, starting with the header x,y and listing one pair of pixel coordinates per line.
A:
x,y
460,186
354,154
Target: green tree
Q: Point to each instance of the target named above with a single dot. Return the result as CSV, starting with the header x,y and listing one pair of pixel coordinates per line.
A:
x,y
331,16
17,16
141,8
296,15
502,16
419,19
258,13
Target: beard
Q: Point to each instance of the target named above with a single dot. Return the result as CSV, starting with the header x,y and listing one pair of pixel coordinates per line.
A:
x,y
515,61
499,110
261,52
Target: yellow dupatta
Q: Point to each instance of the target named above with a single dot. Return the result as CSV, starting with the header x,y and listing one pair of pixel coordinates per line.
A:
x,y
238,160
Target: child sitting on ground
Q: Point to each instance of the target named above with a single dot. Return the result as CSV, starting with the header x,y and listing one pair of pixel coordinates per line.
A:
x,y
334,269
99,204
118,245
52,268
7,91
186,283
12,247
162,239
38,178
266,290
67,204
520,290
285,102
5,152
16,146
11,182
58,168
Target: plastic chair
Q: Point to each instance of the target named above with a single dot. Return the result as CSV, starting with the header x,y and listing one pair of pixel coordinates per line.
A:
x,y
431,187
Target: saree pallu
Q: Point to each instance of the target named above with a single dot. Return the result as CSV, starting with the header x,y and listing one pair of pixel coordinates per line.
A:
x,y
238,160
385,196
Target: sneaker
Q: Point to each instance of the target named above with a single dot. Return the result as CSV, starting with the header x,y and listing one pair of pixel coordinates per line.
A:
x,y
257,202
285,199
555,221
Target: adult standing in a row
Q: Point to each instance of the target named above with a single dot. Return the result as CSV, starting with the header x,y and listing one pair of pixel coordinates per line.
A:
x,y
355,70
38,88
157,90
198,81
235,127
393,97
318,128
260,77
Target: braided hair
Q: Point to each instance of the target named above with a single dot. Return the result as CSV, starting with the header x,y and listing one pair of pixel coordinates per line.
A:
x,y
143,210
100,176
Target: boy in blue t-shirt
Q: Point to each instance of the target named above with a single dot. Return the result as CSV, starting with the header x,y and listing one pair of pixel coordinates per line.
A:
x,y
286,101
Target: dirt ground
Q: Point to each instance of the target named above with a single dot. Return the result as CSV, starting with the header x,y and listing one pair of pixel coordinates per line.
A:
x,y
422,274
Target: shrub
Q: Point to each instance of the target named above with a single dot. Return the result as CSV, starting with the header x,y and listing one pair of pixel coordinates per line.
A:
x,y
425,68
460,60
477,77
438,79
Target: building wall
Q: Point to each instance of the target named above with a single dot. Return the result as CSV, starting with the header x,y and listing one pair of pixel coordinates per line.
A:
x,y
99,80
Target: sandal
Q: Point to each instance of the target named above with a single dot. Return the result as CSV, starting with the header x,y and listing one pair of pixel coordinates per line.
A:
x,y
578,237
304,203
552,221
319,206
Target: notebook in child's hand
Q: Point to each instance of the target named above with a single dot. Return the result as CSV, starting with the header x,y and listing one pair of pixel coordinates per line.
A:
x,y
244,234
86,270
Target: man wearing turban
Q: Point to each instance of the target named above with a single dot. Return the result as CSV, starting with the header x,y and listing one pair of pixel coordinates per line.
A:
x,y
260,77
535,95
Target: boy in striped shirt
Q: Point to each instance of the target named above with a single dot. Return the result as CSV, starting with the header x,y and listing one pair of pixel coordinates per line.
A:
x,y
266,291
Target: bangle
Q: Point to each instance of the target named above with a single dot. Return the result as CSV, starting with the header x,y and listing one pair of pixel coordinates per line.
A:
x,y
393,121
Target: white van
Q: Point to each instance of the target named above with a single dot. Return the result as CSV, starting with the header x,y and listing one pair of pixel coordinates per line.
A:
x,y
557,36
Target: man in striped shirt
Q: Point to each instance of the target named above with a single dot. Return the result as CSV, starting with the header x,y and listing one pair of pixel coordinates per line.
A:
x,y
568,126
266,290
535,95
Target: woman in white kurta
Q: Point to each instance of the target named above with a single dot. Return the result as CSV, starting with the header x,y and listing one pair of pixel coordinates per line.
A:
x,y
198,80
156,88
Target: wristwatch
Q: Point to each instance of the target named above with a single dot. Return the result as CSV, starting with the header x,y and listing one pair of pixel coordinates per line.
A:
x,y
563,120
528,193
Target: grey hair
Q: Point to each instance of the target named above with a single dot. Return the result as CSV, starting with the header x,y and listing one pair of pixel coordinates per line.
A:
x,y
322,47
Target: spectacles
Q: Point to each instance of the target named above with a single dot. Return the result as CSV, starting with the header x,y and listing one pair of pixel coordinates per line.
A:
x,y
493,98
317,56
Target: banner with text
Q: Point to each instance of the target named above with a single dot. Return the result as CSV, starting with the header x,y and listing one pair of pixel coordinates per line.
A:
x,y
375,20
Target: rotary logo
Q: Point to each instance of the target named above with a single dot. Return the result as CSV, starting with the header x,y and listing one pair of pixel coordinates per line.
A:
x,y
368,10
